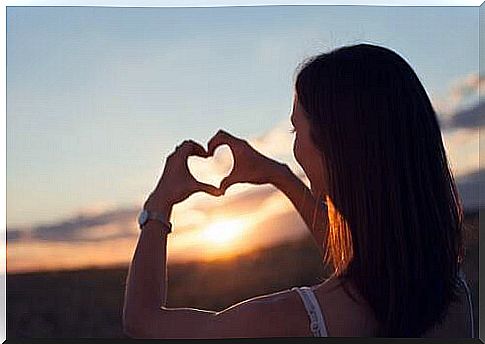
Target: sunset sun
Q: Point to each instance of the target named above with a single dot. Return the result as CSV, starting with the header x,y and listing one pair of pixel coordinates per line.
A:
x,y
223,232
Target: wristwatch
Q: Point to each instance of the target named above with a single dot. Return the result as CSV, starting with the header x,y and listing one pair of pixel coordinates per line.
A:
x,y
146,215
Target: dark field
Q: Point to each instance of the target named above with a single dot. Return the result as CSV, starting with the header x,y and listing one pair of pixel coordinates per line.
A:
x,y
88,303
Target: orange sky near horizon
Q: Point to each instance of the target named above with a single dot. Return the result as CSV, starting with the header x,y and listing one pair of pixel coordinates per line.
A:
x,y
203,230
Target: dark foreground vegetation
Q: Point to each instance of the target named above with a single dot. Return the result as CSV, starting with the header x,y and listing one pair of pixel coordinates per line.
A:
x,y
88,303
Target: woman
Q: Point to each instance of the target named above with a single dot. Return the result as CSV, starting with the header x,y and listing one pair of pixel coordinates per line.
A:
x,y
368,139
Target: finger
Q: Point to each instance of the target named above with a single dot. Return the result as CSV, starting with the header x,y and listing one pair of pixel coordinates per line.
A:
x,y
220,138
190,147
210,189
226,183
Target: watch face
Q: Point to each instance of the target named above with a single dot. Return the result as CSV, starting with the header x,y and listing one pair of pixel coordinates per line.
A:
x,y
143,217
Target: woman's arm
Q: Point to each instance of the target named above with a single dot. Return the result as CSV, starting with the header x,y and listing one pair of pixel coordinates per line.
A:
x,y
305,203
144,311
146,285
145,314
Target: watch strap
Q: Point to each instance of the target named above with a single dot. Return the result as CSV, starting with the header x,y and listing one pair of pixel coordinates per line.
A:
x,y
160,218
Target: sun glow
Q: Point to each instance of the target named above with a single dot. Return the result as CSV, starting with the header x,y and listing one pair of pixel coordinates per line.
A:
x,y
224,232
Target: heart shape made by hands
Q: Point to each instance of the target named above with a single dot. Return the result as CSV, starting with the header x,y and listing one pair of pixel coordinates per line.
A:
x,y
212,170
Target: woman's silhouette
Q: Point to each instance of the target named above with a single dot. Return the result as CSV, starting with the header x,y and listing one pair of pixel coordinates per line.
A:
x,y
369,141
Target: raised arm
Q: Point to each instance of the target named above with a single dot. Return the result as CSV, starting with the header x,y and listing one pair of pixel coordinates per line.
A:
x,y
145,314
314,216
146,286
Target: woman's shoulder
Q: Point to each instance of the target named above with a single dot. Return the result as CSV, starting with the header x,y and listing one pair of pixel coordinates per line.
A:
x,y
343,315
277,314
346,314
350,315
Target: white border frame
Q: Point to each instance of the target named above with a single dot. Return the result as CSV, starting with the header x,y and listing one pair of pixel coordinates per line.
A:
x,y
150,3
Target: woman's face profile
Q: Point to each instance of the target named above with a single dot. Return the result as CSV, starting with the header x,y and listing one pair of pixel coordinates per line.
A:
x,y
305,152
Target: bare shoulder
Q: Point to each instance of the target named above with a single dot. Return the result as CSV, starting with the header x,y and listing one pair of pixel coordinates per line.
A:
x,y
270,315
345,315
278,314
348,317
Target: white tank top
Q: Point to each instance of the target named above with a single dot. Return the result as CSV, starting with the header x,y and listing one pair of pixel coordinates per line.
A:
x,y
317,321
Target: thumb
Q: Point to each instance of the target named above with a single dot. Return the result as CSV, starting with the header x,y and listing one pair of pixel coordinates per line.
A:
x,y
225,183
210,189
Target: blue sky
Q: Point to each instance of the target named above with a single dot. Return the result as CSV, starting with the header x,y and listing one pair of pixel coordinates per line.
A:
x,y
97,97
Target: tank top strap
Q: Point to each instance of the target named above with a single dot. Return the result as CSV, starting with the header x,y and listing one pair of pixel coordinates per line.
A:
x,y
462,278
317,322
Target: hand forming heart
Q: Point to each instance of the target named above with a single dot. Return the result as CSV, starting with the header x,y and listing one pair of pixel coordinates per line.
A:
x,y
213,169
250,166
177,183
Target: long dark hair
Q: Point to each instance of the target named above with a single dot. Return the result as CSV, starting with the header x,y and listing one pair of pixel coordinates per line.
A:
x,y
395,216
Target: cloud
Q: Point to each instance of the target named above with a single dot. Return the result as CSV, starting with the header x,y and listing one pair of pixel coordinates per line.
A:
x,y
462,149
465,89
97,226
276,142
462,116
15,234
472,117
240,202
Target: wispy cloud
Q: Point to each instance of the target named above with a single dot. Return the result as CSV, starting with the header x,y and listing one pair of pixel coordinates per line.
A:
x,y
462,147
462,92
471,117
462,116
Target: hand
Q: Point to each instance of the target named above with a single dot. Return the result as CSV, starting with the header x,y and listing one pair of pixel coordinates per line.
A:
x,y
250,166
176,183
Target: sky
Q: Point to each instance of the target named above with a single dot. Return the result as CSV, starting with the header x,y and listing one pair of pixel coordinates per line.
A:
x,y
98,97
